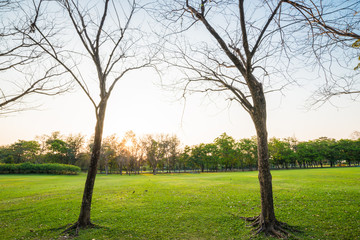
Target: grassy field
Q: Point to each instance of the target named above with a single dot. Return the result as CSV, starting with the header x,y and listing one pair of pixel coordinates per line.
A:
x,y
322,203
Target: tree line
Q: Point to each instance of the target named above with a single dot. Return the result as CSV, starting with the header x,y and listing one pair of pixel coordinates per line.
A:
x,y
164,153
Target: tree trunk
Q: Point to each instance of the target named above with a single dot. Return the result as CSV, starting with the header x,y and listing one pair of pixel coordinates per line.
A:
x,y
84,217
266,222
267,216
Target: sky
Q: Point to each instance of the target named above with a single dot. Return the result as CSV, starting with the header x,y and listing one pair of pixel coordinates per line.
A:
x,y
139,103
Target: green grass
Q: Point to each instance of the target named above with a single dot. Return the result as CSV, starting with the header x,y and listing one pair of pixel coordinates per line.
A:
x,y
322,203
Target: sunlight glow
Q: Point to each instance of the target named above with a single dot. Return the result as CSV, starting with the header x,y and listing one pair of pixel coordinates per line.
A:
x,y
129,143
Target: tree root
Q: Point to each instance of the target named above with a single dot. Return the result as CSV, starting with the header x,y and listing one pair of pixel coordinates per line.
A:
x,y
276,229
76,226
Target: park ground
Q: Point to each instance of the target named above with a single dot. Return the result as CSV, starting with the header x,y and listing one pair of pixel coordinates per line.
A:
x,y
320,203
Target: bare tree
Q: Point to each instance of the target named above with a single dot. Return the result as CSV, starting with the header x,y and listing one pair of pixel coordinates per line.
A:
x,y
156,149
19,78
232,69
243,50
170,149
108,151
151,150
103,39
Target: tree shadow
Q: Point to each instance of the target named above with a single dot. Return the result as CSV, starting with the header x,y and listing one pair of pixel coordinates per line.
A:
x,y
67,232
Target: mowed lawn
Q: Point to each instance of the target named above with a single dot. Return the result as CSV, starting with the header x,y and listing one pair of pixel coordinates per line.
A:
x,y
321,203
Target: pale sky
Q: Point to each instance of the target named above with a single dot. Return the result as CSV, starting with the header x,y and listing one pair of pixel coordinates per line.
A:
x,y
141,105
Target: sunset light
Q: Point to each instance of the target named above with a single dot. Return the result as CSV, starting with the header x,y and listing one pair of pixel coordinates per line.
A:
x,y
129,143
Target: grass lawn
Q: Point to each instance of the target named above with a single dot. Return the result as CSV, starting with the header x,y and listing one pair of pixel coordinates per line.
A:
x,y
322,203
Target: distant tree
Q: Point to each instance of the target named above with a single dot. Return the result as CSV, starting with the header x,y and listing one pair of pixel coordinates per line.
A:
x,y
173,152
83,160
248,152
58,148
292,144
325,150
307,154
226,151
6,155
198,158
348,150
152,151
75,145
281,153
57,151
357,151
134,152
20,151
122,156
108,152
239,156
184,158
168,148
212,156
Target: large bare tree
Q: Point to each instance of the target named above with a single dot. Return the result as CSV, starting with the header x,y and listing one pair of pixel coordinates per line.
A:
x,y
244,50
96,46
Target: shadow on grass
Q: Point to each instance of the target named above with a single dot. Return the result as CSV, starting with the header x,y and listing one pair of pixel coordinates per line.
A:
x,y
59,232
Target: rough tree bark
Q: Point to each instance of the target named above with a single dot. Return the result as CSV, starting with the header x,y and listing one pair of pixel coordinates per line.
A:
x,y
85,210
266,222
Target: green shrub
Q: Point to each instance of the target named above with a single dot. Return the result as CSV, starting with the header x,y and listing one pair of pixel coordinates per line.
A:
x,y
48,168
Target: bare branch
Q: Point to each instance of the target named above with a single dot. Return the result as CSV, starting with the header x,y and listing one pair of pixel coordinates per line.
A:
x,y
316,18
260,38
17,57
